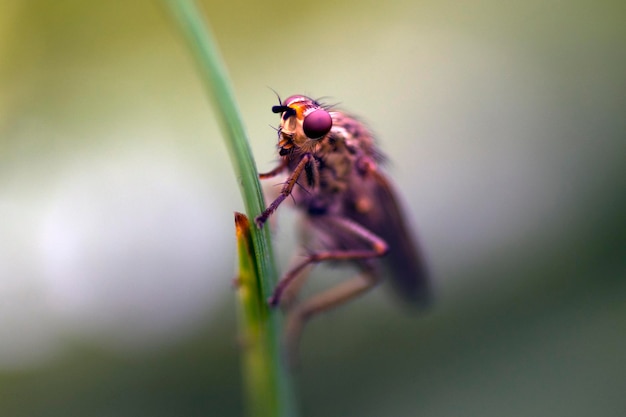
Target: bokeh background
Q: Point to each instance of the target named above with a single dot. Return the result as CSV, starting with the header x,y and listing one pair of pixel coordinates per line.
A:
x,y
505,130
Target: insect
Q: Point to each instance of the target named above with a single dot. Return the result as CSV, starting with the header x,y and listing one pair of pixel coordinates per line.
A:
x,y
351,213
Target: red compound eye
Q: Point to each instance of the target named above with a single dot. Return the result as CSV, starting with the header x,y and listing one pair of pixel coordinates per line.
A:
x,y
317,124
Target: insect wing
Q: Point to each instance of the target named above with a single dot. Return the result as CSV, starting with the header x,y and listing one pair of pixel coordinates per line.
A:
x,y
405,259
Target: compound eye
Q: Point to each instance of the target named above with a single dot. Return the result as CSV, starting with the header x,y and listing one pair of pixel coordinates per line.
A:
x,y
317,124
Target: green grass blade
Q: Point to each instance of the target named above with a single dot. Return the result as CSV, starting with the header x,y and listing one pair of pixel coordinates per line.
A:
x,y
253,312
272,378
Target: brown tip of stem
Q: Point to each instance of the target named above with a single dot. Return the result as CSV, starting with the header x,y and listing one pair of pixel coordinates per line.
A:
x,y
242,224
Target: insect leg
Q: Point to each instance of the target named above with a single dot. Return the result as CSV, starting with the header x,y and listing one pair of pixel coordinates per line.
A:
x,y
284,192
339,224
280,168
291,292
326,300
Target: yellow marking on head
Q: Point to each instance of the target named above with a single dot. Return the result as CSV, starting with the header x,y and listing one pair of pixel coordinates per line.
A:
x,y
300,107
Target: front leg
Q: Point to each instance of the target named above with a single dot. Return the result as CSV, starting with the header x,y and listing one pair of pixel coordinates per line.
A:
x,y
285,191
271,174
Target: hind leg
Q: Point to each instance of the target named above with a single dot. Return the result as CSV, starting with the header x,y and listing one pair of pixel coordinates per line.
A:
x,y
324,301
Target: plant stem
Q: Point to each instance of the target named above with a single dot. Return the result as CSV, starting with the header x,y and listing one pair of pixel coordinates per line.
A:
x,y
253,312
272,378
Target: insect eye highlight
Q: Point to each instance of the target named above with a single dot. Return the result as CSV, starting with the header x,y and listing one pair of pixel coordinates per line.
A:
x,y
317,124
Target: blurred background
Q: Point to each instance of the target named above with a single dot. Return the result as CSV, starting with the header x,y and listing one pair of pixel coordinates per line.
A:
x,y
505,130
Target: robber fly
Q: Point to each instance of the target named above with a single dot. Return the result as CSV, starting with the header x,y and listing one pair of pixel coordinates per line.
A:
x,y
350,209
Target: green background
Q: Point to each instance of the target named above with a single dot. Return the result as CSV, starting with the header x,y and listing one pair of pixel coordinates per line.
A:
x,y
504,126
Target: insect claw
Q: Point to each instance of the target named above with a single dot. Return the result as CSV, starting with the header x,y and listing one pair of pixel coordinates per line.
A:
x,y
260,221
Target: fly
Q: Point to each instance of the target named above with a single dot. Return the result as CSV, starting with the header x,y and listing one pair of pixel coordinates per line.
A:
x,y
350,211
